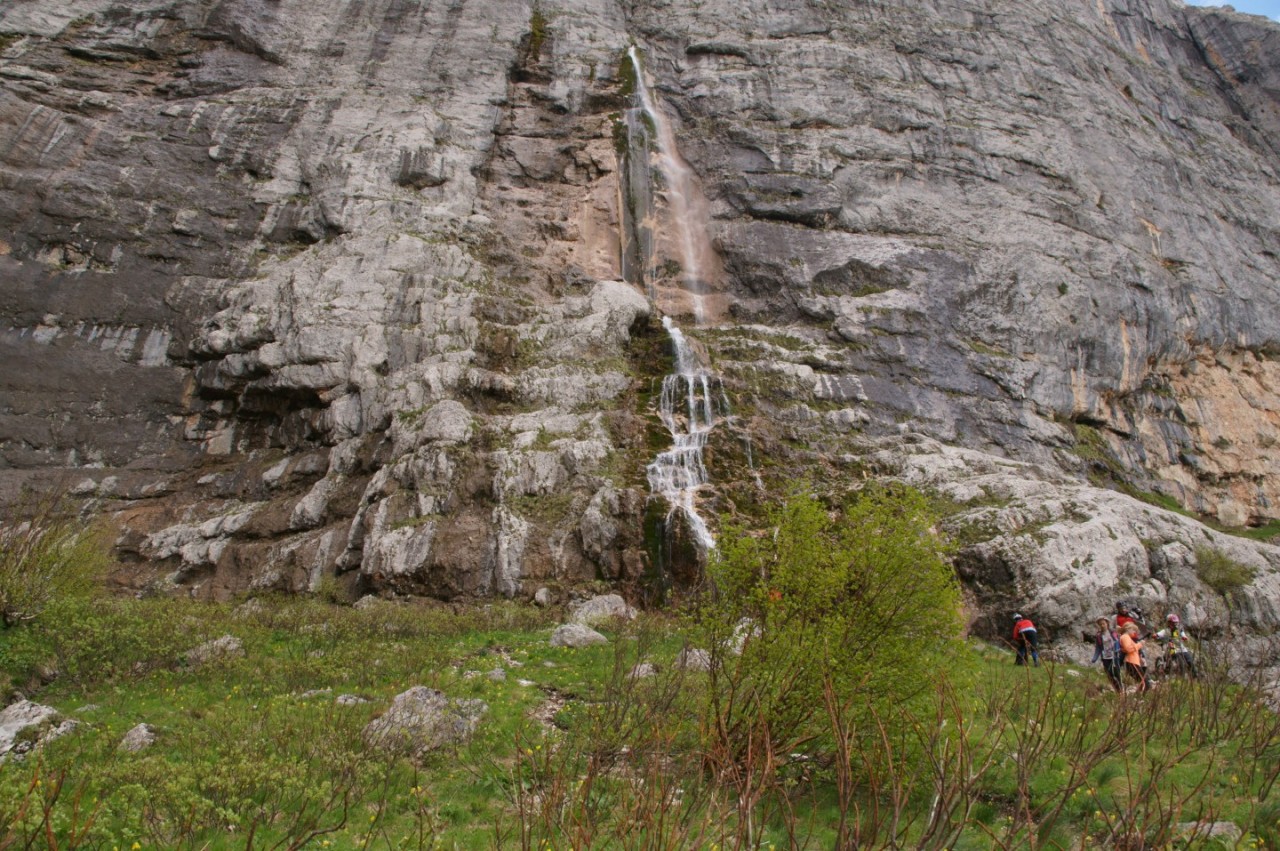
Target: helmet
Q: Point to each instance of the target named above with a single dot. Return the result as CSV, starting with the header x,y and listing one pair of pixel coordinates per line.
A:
x,y
1017,617
1173,618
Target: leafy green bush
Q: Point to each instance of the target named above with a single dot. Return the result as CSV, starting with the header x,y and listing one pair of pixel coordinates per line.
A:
x,y
46,556
853,604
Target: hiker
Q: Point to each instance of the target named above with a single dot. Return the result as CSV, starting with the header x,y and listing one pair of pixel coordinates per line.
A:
x,y
1025,638
1127,612
1106,646
1132,649
1178,650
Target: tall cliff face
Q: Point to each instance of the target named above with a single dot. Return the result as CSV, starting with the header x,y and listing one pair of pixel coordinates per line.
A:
x,y
353,289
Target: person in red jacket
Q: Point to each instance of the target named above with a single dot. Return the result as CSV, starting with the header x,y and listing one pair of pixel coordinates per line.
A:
x,y
1025,639
1127,612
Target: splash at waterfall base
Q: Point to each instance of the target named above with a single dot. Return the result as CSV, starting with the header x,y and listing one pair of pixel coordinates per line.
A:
x,y
677,560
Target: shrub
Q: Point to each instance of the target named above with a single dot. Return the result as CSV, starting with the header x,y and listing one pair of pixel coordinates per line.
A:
x,y
1221,572
46,556
858,602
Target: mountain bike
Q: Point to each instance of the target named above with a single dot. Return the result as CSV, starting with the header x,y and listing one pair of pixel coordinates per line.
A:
x,y
1174,662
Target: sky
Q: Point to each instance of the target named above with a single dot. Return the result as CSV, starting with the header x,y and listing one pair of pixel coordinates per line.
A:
x,y
1270,8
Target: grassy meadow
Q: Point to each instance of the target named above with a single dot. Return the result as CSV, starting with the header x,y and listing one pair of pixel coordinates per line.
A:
x,y
833,704
257,752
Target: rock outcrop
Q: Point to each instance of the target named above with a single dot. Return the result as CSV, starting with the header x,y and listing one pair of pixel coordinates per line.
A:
x,y
25,725
422,720
138,738
215,650
601,609
303,293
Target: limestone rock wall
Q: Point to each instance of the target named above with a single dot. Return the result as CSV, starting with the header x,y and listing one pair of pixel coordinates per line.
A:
x,y
300,291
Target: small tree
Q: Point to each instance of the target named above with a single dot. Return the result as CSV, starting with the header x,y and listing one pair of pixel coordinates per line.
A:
x,y
47,556
856,603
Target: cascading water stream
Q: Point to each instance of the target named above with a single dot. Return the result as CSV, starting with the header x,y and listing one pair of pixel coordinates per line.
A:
x,y
688,410
688,404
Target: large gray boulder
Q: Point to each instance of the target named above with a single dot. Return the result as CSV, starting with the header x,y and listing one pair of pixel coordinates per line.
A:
x,y
601,609
576,635
421,720
24,725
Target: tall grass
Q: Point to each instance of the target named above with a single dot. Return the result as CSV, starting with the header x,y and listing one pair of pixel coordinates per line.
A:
x,y
47,555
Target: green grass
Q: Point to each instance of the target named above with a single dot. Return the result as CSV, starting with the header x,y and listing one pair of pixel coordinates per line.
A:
x,y
237,740
1264,532
986,349
242,752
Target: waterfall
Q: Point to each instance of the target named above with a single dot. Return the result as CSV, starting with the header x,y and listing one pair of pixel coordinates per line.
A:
x,y
686,208
688,409
637,204
692,399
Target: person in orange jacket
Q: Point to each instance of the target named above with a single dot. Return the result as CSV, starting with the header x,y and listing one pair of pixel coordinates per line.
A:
x,y
1026,640
1132,649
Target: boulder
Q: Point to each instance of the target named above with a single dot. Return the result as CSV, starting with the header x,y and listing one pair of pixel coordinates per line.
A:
x,y
601,609
219,649
1225,832
25,725
251,608
693,659
20,716
643,671
421,720
576,635
139,738
315,692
